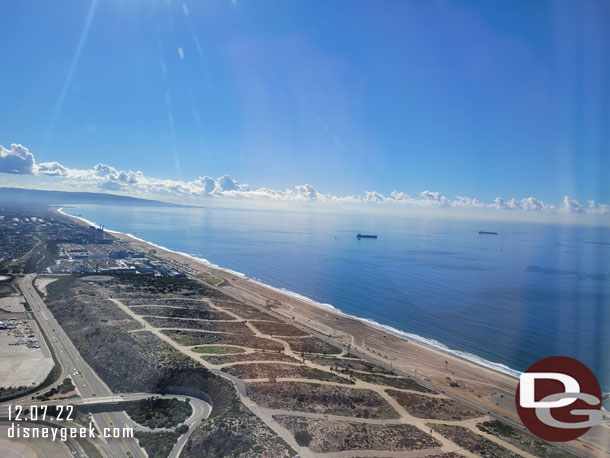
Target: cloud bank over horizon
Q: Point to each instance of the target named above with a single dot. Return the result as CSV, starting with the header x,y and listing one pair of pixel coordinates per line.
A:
x,y
18,160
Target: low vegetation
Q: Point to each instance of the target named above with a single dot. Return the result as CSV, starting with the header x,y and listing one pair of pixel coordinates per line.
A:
x,y
396,382
41,257
218,350
523,440
157,444
325,399
236,433
274,371
167,286
191,338
64,388
218,326
174,312
473,442
312,345
210,279
278,329
256,356
328,436
432,407
159,412
135,299
348,366
245,311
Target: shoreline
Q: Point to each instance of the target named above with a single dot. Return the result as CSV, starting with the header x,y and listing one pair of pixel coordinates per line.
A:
x,y
486,387
490,388
430,343
506,378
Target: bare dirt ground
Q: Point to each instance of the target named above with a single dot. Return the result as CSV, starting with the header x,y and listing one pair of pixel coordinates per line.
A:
x,y
19,364
41,283
11,304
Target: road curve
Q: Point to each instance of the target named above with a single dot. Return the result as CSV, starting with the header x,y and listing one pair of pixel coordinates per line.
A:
x,y
90,387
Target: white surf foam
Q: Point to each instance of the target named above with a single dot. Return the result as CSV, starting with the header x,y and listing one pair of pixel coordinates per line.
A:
x,y
432,343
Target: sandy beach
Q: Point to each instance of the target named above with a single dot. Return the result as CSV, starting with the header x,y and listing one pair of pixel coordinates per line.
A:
x,y
475,384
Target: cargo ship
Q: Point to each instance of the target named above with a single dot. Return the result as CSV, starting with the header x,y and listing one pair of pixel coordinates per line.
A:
x,y
488,233
366,236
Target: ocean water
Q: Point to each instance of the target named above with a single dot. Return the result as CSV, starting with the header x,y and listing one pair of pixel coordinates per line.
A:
x,y
507,300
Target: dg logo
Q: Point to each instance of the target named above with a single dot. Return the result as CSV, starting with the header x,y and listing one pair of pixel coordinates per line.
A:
x,y
559,399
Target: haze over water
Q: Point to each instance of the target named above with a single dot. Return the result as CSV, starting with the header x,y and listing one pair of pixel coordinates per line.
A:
x,y
534,290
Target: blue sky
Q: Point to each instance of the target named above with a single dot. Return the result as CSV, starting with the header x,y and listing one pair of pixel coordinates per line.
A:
x,y
475,98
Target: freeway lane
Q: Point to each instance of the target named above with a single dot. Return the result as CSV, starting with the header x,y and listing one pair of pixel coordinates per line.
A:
x,y
88,384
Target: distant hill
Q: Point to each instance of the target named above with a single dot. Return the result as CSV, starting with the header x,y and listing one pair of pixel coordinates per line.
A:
x,y
19,196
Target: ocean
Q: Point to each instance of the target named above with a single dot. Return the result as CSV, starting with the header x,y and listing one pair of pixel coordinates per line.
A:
x,y
506,301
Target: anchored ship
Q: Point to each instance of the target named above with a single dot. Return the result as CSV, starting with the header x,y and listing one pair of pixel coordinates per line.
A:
x,y
488,232
366,236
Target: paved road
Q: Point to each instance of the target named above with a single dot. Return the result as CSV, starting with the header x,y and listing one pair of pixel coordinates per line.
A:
x,y
94,391
201,410
88,384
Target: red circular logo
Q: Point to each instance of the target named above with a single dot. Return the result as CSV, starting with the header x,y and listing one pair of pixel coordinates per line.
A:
x,y
558,399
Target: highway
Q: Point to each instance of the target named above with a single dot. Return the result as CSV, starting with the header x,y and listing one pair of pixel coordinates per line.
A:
x,y
87,383
94,391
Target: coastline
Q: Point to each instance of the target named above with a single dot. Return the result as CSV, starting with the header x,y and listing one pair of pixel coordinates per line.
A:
x,y
462,368
487,387
427,342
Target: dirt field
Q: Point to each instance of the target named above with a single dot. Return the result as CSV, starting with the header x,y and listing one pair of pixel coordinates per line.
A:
x,y
41,283
12,304
20,365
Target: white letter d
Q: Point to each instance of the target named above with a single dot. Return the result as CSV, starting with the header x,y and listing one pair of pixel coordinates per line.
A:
x,y
527,389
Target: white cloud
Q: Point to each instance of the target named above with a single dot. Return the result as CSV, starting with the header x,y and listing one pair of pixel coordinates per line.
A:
x,y
461,201
19,160
52,169
528,204
226,183
373,196
400,196
306,192
434,199
570,206
207,185
596,208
